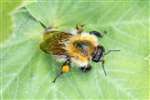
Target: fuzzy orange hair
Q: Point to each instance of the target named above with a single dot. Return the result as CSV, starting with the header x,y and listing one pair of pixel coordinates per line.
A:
x,y
75,53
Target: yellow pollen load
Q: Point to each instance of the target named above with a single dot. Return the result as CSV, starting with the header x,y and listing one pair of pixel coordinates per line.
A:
x,y
65,69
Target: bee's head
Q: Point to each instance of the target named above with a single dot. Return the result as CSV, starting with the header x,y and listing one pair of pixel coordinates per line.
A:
x,y
98,53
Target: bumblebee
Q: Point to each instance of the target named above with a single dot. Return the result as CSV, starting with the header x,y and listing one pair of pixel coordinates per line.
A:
x,y
74,47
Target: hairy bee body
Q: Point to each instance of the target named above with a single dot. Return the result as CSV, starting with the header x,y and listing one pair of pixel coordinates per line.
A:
x,y
75,46
67,44
54,42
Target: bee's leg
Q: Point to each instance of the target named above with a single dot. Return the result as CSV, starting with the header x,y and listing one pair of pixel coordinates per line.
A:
x,y
48,29
96,33
86,68
103,66
58,75
79,28
109,51
64,69
42,24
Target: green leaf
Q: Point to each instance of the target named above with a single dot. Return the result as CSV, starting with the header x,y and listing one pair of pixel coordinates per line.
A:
x,y
27,72
6,8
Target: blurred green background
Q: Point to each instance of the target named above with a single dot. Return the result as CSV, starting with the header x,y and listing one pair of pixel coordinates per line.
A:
x,y
27,72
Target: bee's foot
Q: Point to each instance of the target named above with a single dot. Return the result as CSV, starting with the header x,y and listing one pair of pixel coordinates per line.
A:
x,y
86,69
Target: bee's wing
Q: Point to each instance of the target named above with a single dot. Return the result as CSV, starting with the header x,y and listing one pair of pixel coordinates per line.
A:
x,y
54,42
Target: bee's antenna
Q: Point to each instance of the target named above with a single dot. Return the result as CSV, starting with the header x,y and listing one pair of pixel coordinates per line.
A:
x,y
109,51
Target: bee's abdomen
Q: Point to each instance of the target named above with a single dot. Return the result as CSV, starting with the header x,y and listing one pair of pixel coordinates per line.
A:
x,y
54,42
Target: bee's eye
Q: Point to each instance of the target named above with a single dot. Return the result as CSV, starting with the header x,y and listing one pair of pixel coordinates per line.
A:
x,y
98,34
